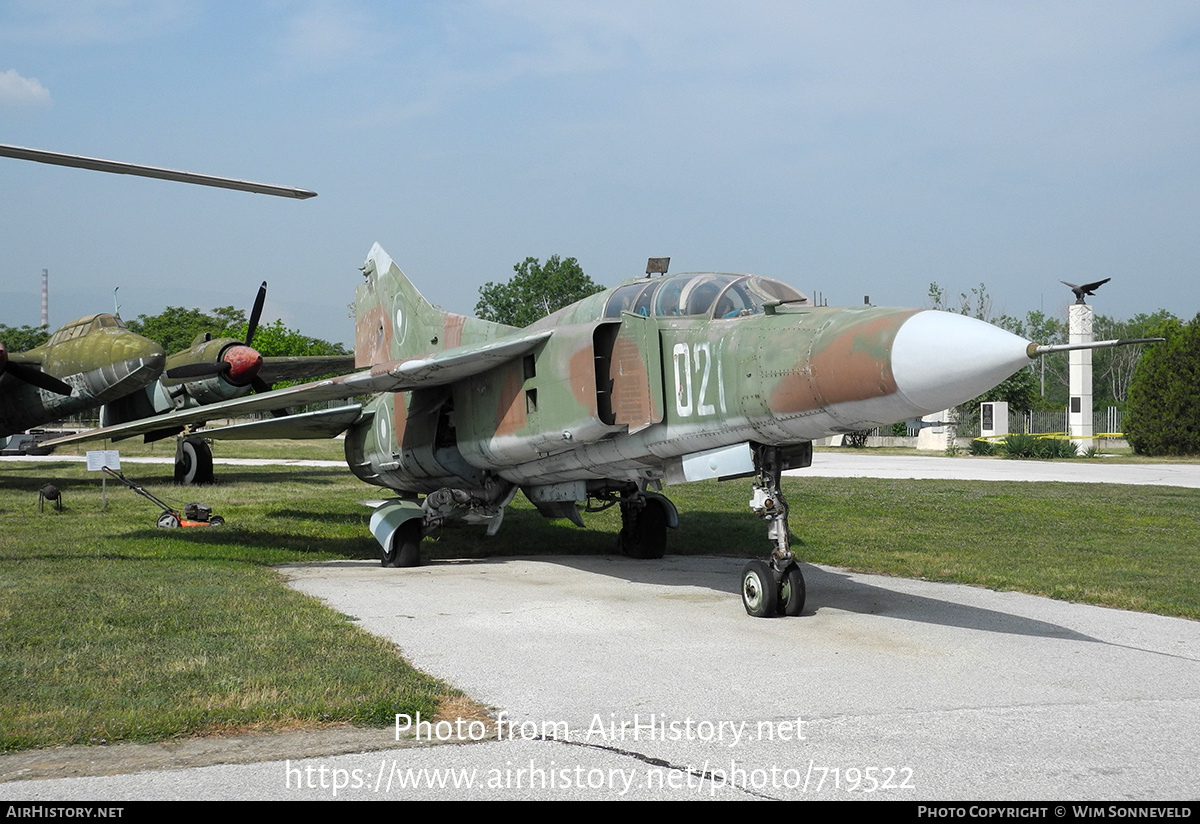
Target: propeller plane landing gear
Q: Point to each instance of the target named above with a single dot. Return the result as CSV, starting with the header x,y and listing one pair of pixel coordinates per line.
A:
x,y
774,586
193,461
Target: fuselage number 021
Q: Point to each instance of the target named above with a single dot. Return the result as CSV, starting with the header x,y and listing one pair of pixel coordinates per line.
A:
x,y
694,379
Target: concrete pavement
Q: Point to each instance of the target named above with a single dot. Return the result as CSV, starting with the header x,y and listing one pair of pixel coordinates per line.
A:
x,y
645,679
862,464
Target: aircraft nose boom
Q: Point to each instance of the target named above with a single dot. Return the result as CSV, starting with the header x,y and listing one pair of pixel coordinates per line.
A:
x,y
940,359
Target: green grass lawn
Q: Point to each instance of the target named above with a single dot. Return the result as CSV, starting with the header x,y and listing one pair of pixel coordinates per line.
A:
x,y
113,630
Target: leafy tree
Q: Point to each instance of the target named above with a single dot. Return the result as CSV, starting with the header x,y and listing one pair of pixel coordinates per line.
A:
x,y
535,291
175,327
1114,368
1164,395
276,340
23,338
1018,390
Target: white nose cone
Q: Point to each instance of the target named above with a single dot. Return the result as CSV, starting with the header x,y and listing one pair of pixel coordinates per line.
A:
x,y
940,360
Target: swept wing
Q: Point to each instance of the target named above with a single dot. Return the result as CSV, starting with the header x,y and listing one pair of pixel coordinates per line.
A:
x,y
437,369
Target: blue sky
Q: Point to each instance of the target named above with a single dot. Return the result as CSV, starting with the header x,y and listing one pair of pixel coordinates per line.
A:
x,y
850,149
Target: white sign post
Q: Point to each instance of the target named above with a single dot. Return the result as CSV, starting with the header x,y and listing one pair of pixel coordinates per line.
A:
x,y
98,459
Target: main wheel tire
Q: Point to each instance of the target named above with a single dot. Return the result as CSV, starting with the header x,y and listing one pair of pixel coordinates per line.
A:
x,y
168,520
791,592
648,540
194,464
404,545
759,591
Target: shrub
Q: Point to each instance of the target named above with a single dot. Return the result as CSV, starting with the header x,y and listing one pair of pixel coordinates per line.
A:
x,y
856,440
1031,446
1050,448
1164,405
982,447
1019,446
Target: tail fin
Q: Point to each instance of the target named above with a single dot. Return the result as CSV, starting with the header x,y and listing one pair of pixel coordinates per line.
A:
x,y
393,321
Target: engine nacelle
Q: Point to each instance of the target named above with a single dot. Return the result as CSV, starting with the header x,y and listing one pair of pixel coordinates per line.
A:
x,y
412,453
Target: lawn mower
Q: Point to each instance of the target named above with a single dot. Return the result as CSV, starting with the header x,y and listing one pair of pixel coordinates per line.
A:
x,y
193,514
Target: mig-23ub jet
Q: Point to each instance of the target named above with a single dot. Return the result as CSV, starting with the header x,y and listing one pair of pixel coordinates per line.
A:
x,y
86,363
657,380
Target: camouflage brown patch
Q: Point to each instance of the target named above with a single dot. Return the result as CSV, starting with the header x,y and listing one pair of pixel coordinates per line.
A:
x,y
631,402
581,373
372,338
510,406
852,365
452,330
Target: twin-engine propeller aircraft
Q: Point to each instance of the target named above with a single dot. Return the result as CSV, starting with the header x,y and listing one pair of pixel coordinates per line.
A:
x,y
100,362
668,379
86,363
211,370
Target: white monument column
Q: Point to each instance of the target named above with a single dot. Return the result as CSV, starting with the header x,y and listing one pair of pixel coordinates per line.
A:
x,y
1079,408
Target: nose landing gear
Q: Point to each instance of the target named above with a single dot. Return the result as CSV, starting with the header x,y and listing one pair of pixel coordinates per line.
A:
x,y
774,586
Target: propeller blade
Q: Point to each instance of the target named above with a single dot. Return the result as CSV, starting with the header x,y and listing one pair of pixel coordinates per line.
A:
x,y
259,385
256,313
198,370
38,378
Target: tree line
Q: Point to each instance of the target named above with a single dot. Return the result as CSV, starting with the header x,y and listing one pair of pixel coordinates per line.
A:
x,y
1044,384
1157,385
176,328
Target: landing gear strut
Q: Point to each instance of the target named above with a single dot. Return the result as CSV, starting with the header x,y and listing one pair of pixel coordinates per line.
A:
x,y
774,586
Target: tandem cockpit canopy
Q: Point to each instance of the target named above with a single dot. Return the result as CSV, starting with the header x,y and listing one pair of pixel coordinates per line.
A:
x,y
706,294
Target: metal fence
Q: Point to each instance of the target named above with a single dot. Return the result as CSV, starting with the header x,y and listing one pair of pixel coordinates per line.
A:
x,y
1104,421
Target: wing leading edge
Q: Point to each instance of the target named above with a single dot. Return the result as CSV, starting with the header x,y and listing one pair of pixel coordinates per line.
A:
x,y
438,369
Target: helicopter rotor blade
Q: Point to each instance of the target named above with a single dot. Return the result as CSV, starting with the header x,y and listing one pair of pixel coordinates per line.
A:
x,y
123,168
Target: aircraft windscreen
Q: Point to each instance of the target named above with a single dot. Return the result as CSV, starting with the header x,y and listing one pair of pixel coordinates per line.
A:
x,y
713,295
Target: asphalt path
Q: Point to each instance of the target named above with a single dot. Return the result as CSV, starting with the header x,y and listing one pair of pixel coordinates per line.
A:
x,y
645,679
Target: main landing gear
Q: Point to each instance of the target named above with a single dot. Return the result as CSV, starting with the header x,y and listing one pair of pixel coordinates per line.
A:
x,y
774,586
193,461
645,517
403,548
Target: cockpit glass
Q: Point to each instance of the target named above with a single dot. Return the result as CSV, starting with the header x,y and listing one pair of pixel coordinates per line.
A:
x,y
645,301
715,295
736,301
775,290
623,299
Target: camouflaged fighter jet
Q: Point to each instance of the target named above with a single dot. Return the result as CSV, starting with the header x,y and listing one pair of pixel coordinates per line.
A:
x,y
86,363
658,380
